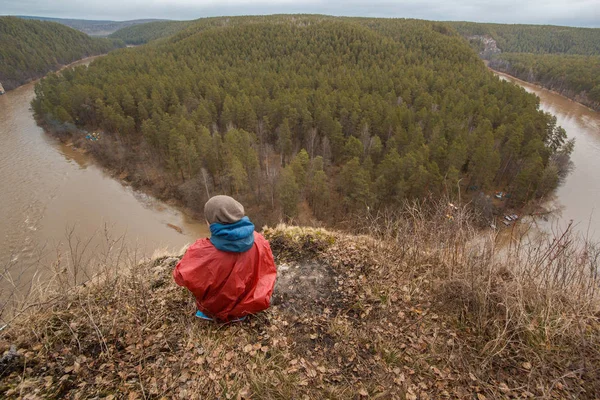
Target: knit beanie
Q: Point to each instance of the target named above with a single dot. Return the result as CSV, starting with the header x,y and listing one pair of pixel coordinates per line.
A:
x,y
223,209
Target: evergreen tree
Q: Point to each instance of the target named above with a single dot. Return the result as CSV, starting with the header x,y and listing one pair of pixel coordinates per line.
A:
x,y
300,165
288,193
354,185
285,141
353,148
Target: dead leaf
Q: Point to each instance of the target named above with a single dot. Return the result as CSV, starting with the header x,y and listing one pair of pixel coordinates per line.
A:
x,y
503,387
526,365
184,377
49,380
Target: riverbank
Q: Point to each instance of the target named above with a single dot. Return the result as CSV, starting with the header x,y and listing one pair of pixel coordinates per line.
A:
x,y
576,199
530,78
135,168
351,317
129,171
137,178
76,139
83,61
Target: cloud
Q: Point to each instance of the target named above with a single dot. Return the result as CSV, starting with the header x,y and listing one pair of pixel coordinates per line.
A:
x,y
573,12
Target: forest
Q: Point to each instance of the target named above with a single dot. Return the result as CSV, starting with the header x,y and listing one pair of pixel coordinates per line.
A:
x,y
574,76
309,116
570,75
538,39
29,49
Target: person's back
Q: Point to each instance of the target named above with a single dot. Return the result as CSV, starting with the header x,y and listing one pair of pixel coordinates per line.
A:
x,y
232,274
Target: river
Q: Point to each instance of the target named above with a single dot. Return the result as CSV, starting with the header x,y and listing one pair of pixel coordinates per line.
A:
x,y
578,198
48,189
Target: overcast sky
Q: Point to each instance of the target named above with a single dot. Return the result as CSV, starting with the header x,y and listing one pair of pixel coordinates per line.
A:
x,y
557,12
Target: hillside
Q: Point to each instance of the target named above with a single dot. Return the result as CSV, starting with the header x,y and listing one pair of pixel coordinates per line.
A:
x,y
419,314
30,49
574,76
308,115
563,59
93,27
537,39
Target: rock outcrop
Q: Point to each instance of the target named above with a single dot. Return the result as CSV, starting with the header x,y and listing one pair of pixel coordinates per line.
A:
x,y
490,46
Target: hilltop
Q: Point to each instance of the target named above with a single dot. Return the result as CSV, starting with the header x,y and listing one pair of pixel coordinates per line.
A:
x,y
403,316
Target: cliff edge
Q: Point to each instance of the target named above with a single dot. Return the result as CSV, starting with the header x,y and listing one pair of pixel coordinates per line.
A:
x,y
408,317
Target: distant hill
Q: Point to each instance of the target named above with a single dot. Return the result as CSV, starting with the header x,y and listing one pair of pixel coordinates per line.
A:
x,y
144,33
29,49
93,27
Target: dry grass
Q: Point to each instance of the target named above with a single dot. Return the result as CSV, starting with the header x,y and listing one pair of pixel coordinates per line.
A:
x,y
423,307
529,308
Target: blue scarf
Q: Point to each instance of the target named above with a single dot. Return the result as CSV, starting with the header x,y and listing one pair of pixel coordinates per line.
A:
x,y
237,237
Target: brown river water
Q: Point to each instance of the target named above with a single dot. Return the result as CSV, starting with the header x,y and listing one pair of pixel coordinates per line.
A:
x,y
47,189
578,198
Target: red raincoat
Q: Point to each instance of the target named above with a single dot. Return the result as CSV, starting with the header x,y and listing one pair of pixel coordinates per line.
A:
x,y
228,285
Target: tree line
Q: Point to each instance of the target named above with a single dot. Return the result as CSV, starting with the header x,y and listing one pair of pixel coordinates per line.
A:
x,y
29,49
310,115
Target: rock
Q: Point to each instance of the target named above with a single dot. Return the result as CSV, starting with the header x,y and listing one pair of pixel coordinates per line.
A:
x,y
10,361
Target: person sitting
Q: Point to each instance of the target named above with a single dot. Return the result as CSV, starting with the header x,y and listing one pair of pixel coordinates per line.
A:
x,y
232,273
